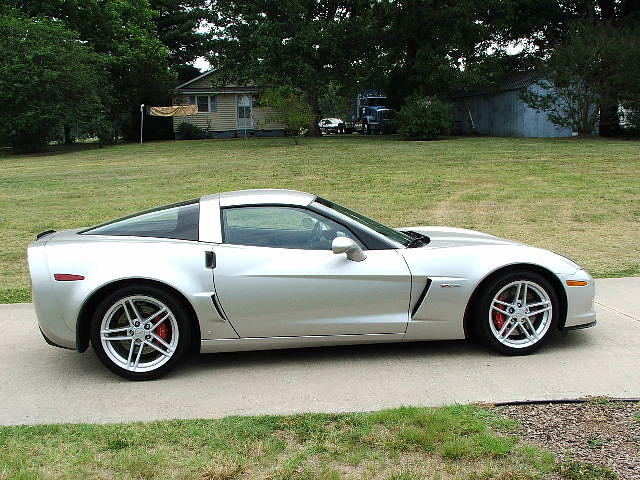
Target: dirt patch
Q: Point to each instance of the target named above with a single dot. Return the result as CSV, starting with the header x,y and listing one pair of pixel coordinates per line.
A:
x,y
605,433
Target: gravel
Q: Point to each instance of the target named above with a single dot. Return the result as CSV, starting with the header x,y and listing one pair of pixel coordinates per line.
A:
x,y
602,432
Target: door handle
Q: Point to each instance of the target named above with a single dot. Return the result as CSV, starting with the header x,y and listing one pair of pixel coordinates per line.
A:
x,y
210,260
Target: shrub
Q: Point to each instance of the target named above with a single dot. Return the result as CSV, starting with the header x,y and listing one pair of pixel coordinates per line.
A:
x,y
189,131
424,118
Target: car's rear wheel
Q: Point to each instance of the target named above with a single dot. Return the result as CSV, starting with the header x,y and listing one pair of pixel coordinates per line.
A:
x,y
140,333
517,313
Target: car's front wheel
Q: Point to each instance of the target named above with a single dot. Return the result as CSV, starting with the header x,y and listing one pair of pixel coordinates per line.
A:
x,y
140,333
517,313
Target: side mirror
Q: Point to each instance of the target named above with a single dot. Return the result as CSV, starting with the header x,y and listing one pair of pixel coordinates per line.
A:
x,y
348,246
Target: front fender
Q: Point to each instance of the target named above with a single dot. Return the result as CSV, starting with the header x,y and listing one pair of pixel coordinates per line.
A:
x,y
454,275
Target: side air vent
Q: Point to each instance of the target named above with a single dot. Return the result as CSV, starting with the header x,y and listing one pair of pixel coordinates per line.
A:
x,y
218,307
418,304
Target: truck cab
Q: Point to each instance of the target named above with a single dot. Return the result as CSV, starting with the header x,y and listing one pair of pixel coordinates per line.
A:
x,y
371,115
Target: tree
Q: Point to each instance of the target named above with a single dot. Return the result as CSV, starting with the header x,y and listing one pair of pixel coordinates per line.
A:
x,y
48,78
567,100
122,32
178,24
335,101
298,44
291,107
431,47
424,118
596,66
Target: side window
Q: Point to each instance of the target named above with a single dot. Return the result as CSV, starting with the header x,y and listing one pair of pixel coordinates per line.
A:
x,y
175,221
280,227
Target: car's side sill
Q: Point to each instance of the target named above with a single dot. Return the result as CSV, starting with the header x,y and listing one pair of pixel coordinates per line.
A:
x,y
269,343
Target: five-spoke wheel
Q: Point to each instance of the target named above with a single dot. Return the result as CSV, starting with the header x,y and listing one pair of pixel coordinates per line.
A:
x,y
516,313
140,333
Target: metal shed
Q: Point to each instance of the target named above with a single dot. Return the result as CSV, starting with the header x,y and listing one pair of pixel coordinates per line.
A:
x,y
502,113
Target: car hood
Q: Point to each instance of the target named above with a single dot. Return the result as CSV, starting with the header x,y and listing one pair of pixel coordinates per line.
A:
x,y
442,237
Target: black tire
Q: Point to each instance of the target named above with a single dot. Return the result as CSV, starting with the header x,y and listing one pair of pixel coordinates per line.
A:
x,y
531,324
147,301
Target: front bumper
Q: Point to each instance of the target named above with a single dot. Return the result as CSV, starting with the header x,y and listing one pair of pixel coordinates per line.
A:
x,y
579,327
581,311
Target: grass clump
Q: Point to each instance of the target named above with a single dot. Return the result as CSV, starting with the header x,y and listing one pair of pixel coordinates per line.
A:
x,y
585,471
457,442
454,442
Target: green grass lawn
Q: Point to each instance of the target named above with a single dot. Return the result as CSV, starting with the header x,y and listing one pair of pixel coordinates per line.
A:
x,y
577,197
455,442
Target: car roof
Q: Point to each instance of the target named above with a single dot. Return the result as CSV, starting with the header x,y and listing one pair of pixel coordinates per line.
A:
x,y
262,196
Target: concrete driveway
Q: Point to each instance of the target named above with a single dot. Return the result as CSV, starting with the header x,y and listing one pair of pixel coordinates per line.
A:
x,y
43,384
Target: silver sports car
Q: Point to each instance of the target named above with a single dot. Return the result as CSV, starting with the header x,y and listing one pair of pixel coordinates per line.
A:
x,y
263,269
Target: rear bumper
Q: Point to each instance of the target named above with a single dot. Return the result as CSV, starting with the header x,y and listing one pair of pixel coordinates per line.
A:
x,y
50,320
52,343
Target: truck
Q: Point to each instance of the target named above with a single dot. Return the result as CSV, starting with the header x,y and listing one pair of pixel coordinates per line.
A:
x,y
370,115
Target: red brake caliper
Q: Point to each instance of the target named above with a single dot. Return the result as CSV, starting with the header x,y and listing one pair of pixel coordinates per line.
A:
x,y
162,330
499,318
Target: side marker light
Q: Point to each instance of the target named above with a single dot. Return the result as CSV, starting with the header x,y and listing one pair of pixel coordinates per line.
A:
x,y
67,277
577,283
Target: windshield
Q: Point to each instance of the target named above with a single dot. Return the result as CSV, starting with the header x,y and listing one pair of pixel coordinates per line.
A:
x,y
388,232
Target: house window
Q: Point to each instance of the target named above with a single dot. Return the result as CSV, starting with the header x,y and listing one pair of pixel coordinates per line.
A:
x,y
203,102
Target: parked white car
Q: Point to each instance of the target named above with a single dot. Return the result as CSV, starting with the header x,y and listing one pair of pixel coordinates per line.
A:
x,y
331,125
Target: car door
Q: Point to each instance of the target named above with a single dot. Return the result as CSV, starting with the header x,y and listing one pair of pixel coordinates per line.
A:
x,y
276,276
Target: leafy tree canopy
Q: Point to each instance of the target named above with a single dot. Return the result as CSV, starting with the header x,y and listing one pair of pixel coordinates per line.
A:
x,y
122,32
301,44
291,108
179,25
48,77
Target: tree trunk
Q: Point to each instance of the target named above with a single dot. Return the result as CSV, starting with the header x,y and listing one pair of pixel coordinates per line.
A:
x,y
67,135
314,129
609,121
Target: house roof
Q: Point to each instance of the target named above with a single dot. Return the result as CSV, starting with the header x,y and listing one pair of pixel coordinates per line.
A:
x,y
195,79
192,86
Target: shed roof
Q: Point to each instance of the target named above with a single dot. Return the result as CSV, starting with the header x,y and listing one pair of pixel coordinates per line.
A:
x,y
514,81
519,80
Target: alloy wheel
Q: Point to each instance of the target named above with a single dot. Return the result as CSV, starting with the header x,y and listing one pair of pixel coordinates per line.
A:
x,y
520,314
139,333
